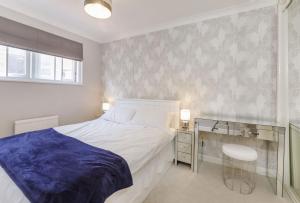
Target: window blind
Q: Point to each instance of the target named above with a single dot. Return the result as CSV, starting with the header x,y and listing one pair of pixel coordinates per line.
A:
x,y
21,36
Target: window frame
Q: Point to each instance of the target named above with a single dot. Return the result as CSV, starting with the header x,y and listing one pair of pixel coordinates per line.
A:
x,y
31,68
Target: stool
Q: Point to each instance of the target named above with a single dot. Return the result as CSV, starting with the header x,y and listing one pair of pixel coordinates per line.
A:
x,y
239,168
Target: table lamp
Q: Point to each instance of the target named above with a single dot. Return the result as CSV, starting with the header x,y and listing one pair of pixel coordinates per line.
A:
x,y
105,106
185,117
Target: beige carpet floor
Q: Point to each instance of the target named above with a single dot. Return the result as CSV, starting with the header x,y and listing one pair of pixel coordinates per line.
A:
x,y
180,185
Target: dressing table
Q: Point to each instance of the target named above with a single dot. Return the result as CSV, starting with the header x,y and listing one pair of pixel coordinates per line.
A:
x,y
270,132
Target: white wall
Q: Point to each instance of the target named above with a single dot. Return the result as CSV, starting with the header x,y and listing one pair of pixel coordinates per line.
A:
x,y
72,103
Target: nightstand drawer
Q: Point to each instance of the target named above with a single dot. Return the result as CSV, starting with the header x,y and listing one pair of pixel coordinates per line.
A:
x,y
184,157
183,147
185,138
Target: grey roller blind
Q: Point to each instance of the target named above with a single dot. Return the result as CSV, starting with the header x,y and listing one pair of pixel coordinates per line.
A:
x,y
21,36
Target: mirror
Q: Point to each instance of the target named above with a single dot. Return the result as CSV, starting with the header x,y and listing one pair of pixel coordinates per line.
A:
x,y
294,93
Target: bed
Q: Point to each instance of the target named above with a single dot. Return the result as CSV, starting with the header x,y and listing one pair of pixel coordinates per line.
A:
x,y
145,141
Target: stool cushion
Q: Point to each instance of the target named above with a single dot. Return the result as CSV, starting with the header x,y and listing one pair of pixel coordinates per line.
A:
x,y
239,152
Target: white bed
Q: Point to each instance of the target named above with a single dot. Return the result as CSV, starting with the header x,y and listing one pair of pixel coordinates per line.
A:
x,y
148,150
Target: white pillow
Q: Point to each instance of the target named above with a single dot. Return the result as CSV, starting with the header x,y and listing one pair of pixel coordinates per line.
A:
x,y
152,117
119,114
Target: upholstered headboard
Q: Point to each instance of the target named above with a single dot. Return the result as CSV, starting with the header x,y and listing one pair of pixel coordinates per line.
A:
x,y
172,107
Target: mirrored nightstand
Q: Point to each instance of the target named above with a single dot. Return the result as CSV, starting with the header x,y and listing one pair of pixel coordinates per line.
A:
x,y
184,146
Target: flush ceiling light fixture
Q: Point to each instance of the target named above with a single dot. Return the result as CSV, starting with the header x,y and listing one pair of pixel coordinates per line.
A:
x,y
98,8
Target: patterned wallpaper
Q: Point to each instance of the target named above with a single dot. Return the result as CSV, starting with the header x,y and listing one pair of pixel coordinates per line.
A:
x,y
294,60
224,66
221,67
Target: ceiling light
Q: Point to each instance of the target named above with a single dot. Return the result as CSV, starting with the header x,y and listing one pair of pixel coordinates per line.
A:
x,y
98,8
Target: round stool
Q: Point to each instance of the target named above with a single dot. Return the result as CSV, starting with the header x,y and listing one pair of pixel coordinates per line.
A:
x,y
239,168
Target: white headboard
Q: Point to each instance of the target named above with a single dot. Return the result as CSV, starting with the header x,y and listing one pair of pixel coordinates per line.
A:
x,y
172,107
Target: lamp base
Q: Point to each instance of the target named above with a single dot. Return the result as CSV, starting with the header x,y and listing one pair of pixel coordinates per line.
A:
x,y
185,125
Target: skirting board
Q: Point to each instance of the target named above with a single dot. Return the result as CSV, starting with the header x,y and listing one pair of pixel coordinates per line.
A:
x,y
259,170
293,198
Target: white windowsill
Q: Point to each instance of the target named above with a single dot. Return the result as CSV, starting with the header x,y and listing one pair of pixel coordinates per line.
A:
x,y
4,79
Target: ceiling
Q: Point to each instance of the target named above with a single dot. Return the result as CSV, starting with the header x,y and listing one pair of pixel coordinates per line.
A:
x,y
129,18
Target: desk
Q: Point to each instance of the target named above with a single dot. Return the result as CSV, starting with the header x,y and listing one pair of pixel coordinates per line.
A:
x,y
267,131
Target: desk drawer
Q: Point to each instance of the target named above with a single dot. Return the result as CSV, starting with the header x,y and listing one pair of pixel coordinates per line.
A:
x,y
183,147
185,138
184,157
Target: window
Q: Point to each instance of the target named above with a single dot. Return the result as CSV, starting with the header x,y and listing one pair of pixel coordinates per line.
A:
x,y
2,61
44,66
69,69
17,64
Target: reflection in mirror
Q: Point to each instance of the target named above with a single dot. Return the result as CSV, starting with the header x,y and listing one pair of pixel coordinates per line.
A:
x,y
294,94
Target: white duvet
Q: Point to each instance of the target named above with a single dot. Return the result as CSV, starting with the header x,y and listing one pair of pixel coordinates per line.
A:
x,y
135,143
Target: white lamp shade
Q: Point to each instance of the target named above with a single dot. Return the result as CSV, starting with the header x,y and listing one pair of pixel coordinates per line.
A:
x,y
105,106
185,115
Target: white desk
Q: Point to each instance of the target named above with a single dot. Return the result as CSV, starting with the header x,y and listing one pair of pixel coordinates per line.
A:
x,y
270,132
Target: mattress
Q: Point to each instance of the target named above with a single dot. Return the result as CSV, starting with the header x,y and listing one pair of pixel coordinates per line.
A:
x,y
137,144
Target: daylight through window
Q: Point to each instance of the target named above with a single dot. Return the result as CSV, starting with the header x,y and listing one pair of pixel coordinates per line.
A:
x,y
18,64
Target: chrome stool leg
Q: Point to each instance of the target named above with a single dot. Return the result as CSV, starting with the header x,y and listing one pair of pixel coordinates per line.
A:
x,y
239,175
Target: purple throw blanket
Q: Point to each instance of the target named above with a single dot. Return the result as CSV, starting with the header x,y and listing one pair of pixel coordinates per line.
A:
x,y
53,168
